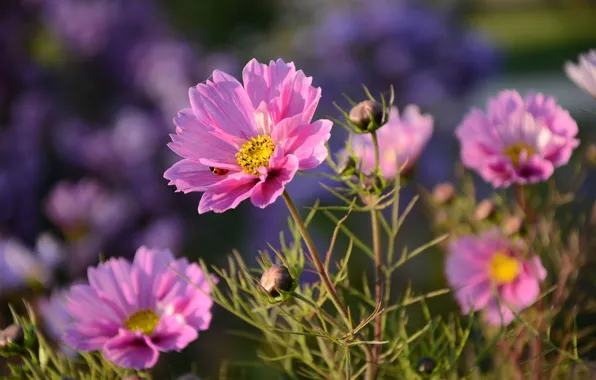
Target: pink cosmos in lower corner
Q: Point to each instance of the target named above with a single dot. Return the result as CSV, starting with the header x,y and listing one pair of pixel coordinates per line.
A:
x,y
247,140
401,141
488,272
517,140
134,311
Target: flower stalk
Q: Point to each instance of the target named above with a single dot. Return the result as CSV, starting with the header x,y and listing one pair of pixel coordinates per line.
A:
x,y
326,280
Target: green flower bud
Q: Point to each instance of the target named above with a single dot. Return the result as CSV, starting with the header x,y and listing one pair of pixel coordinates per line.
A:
x,y
12,335
426,366
276,278
443,193
485,209
367,115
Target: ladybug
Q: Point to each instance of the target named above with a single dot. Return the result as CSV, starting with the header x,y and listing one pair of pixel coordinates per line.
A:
x,y
218,171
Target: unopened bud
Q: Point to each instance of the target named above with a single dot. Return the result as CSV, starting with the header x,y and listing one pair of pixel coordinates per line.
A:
x,y
360,114
426,366
371,182
13,334
485,209
512,225
276,278
591,154
443,193
347,166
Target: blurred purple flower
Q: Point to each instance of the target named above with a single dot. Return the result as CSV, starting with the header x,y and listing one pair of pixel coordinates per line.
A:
x,y
477,264
134,311
56,318
421,51
517,140
583,74
162,233
21,266
84,26
72,206
401,141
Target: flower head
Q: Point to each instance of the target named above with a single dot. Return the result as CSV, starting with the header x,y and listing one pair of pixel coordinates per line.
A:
x,y
247,140
134,311
401,141
583,74
517,140
488,272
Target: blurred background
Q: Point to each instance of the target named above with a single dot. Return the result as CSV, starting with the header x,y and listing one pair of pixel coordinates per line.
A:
x,y
88,90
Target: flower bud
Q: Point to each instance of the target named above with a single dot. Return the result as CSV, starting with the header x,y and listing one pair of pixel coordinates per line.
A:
x,y
485,209
426,366
371,182
590,154
13,334
443,193
360,115
131,377
512,225
276,278
347,166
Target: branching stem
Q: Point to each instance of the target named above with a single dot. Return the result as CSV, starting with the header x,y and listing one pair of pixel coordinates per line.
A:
x,y
325,279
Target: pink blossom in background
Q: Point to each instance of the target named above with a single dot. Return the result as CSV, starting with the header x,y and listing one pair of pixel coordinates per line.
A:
x,y
517,141
401,141
241,141
134,311
583,73
56,317
479,268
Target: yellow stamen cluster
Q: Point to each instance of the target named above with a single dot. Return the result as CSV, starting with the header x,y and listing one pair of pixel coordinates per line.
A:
x,y
144,320
504,269
255,153
515,150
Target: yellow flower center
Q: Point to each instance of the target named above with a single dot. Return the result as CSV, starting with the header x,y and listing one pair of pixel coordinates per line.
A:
x,y
255,153
503,268
515,150
144,320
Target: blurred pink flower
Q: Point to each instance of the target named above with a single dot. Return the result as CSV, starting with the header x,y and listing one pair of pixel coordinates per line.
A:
x,y
583,74
517,140
489,272
134,311
247,141
401,141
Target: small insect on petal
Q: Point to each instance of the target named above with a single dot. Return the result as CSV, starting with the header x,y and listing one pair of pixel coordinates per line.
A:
x,y
218,171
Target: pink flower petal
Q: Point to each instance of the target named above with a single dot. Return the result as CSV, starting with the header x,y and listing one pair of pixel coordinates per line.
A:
x,y
130,350
228,193
273,180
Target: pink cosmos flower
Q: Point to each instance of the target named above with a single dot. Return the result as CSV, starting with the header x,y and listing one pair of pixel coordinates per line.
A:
x,y
401,141
247,140
517,140
583,74
134,311
488,272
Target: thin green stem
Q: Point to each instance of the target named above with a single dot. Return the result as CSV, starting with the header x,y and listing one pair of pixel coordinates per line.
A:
x,y
375,141
316,259
376,235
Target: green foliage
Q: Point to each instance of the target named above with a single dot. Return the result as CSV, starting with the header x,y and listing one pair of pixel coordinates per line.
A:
x,y
36,359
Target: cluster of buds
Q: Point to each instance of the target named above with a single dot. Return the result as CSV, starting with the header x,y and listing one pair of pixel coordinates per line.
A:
x,y
365,117
452,211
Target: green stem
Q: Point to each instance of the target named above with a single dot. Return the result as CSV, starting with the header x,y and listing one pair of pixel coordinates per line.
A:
x,y
376,234
316,259
375,141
